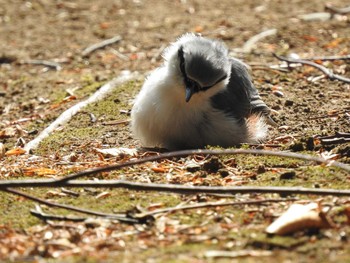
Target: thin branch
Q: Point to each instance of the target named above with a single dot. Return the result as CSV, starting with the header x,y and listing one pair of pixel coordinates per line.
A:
x,y
249,45
211,204
329,58
50,64
323,69
171,188
118,122
185,153
72,208
87,51
44,216
337,10
338,138
237,254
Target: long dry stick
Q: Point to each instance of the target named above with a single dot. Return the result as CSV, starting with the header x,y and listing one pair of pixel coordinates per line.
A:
x,y
212,204
50,64
44,216
323,69
249,45
337,10
172,188
205,152
72,208
329,58
87,51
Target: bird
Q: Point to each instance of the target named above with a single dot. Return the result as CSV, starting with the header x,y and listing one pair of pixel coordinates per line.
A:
x,y
199,97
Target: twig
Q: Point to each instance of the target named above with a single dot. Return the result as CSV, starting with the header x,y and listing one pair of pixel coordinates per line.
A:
x,y
270,145
68,114
72,208
249,45
158,53
329,58
184,153
237,254
334,114
211,204
44,216
69,192
87,51
336,10
119,55
116,122
323,69
170,188
338,138
50,64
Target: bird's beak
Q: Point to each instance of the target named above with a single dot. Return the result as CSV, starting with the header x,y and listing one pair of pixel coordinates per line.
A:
x,y
189,92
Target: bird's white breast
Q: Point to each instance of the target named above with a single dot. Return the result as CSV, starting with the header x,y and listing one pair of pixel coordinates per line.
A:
x,y
162,118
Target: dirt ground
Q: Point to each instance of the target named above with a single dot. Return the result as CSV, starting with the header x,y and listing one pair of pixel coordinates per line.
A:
x,y
307,104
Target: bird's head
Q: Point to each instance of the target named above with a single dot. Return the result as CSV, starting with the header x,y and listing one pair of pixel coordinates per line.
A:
x,y
202,64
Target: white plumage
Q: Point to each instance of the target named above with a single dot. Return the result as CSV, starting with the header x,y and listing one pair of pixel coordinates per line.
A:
x,y
198,97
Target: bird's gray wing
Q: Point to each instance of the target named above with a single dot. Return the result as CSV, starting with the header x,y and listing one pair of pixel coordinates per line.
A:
x,y
240,98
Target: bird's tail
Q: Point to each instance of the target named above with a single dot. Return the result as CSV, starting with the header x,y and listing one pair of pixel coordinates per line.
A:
x,y
257,128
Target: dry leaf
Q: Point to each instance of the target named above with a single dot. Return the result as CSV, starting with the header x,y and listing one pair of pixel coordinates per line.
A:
x,y
2,150
103,195
347,213
159,169
299,217
117,152
30,171
8,132
15,151
333,44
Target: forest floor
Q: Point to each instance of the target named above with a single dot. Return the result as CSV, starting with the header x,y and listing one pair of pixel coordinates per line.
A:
x,y
309,107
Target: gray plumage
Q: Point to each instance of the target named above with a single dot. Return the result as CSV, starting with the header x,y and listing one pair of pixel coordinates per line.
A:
x,y
198,97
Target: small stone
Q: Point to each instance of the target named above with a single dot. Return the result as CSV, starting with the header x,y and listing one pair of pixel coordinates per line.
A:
x,y
297,147
288,175
223,172
212,165
310,145
278,93
288,103
261,169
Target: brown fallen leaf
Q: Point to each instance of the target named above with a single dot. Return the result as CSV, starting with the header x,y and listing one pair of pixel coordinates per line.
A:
x,y
299,217
65,100
2,150
15,151
30,171
347,213
159,169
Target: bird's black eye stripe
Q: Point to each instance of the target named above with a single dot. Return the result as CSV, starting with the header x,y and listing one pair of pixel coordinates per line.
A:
x,y
182,61
187,80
